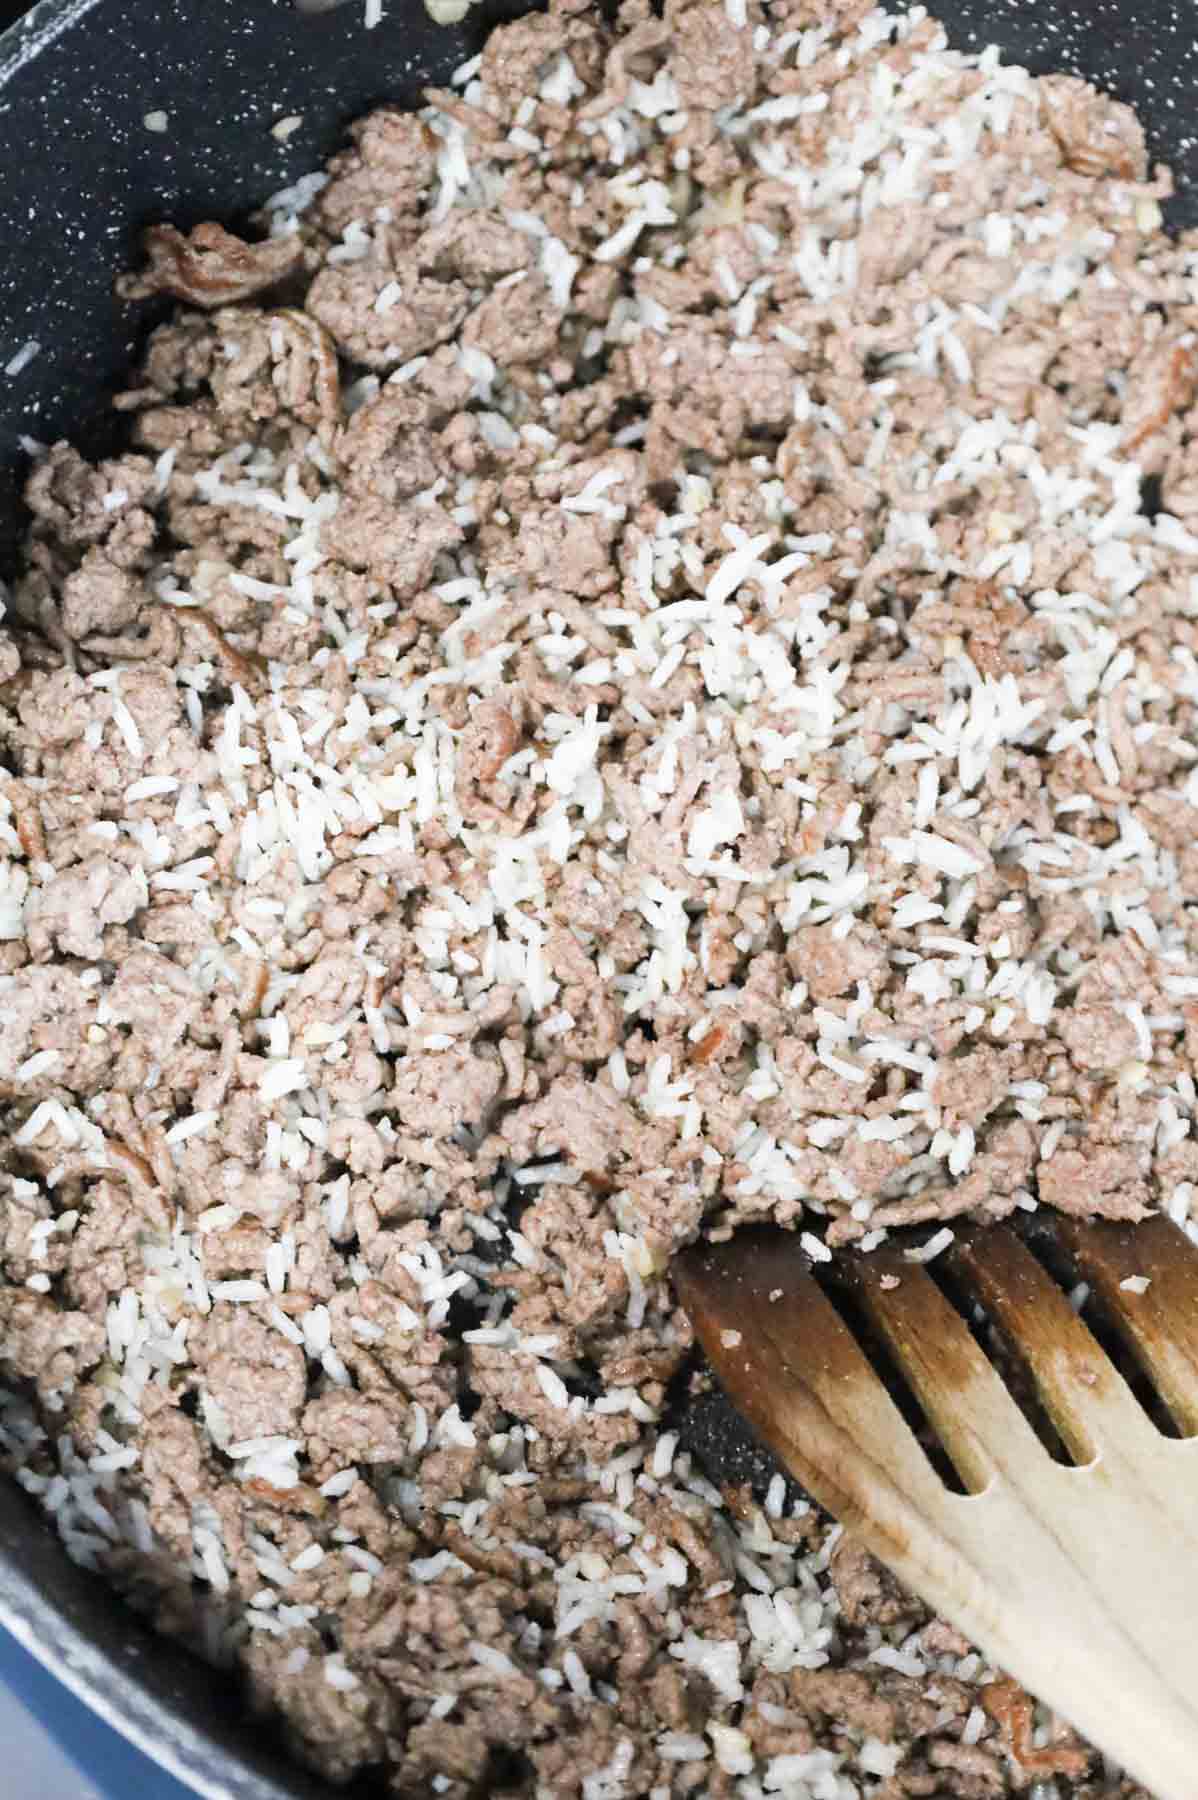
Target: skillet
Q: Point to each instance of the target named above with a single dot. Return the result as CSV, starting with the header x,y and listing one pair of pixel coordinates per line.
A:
x,y
80,175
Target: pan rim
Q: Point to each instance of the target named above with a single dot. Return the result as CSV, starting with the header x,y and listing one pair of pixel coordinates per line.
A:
x,y
149,1723
37,30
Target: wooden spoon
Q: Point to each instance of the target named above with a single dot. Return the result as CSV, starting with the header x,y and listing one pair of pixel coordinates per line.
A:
x,y
1080,1578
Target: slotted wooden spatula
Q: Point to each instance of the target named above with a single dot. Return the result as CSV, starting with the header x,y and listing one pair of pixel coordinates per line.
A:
x,y
1081,1581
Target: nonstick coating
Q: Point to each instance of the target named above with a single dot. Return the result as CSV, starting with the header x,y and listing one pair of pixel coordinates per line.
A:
x,y
79,175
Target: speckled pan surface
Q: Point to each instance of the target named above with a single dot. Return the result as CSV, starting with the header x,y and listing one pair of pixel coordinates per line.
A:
x,y
79,174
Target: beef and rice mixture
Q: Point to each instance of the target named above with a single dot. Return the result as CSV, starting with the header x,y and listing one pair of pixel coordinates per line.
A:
x,y
638,673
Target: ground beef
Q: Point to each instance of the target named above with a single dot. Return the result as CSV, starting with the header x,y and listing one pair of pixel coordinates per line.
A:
x,y
251,1372
47,1008
46,1344
391,166
72,909
621,687
514,324
377,317
398,548
209,266
99,597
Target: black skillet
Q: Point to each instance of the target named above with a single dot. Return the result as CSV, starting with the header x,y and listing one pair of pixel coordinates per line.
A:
x,y
80,173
